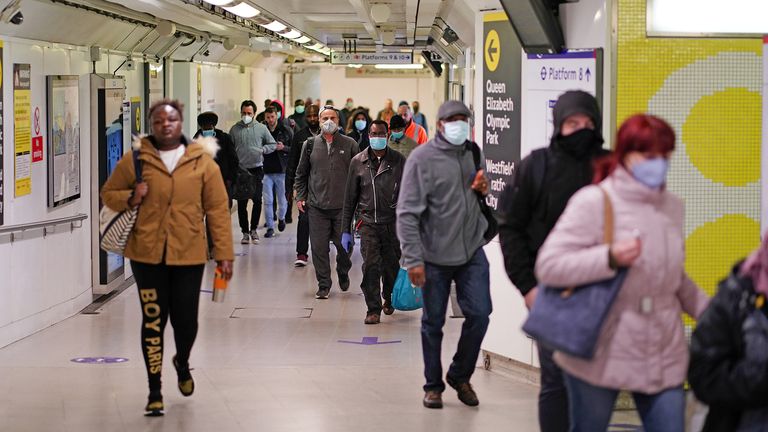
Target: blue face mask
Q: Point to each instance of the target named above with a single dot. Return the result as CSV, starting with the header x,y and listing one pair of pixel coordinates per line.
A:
x,y
378,143
456,132
397,135
360,124
209,133
279,114
652,172
300,109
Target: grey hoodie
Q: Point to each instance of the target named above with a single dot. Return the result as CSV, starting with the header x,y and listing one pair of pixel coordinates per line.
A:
x,y
252,142
438,215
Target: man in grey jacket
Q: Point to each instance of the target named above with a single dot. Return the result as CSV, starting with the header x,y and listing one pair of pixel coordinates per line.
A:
x,y
320,181
252,141
440,227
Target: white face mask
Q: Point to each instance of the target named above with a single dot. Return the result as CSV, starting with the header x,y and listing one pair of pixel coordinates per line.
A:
x,y
456,132
330,127
247,119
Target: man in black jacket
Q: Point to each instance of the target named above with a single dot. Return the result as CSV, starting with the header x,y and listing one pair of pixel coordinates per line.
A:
x,y
320,178
226,158
529,208
274,173
302,228
372,187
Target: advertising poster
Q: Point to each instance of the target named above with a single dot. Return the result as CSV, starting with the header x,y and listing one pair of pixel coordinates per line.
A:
x,y
64,139
501,103
135,117
22,120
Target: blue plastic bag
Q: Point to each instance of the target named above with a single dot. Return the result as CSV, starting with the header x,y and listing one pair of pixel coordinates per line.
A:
x,y
405,296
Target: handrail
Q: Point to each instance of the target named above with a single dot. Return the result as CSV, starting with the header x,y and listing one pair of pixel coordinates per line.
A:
x,y
75,221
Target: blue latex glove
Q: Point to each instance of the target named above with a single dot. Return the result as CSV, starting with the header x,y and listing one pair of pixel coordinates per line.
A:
x,y
347,241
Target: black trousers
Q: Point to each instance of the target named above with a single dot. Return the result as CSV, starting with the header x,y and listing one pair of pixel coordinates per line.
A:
x,y
167,291
325,227
553,396
302,234
242,205
381,262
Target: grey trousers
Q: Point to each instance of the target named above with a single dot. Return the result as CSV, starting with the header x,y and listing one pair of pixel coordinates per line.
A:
x,y
325,227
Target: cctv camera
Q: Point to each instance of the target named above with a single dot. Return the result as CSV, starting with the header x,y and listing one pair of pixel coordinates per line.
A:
x,y
18,18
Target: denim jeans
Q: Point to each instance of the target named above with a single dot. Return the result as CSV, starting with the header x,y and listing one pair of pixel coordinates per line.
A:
x,y
591,407
474,297
274,184
553,396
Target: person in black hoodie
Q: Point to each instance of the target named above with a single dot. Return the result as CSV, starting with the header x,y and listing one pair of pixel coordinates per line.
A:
x,y
298,117
226,158
358,128
275,164
729,350
529,208
302,230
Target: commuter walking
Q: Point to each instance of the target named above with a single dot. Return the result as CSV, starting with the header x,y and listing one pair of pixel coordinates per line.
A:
x,y
441,229
226,157
729,350
346,113
529,208
412,130
302,228
320,178
298,117
387,112
372,188
275,164
260,116
359,128
418,117
397,139
182,185
252,141
641,347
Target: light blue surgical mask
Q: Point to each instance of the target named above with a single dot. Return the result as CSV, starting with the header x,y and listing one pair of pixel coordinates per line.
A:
x,y
456,132
209,133
300,109
398,135
279,115
378,143
651,172
360,124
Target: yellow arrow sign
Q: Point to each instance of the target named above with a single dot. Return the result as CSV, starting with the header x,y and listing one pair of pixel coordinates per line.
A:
x,y
492,50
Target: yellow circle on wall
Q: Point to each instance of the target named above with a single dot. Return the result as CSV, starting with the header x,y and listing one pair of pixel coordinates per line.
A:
x,y
722,137
719,245
492,51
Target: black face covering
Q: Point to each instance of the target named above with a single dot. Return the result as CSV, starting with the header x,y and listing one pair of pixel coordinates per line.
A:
x,y
315,125
580,144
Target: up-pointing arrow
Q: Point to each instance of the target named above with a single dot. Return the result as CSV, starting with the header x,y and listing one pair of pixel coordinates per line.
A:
x,y
492,50
588,74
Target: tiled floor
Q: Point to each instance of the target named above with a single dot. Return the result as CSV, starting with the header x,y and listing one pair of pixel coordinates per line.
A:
x,y
271,369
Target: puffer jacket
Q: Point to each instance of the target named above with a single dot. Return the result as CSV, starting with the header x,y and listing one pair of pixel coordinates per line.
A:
x,y
729,357
642,344
373,191
170,222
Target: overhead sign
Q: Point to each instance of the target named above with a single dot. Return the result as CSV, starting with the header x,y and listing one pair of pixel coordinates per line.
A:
x,y
547,76
371,58
501,103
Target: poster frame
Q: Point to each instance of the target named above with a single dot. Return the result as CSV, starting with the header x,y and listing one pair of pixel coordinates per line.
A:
x,y
50,118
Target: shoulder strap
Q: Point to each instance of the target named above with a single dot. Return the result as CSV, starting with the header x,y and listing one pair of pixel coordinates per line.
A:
x,y
475,154
539,171
608,223
309,145
137,167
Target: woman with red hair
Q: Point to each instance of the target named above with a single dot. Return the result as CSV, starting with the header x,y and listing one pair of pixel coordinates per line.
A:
x,y
642,346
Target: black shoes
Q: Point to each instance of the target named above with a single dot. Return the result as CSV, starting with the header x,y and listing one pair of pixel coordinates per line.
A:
x,y
270,233
186,383
372,318
155,407
281,226
322,293
387,308
344,282
433,399
465,392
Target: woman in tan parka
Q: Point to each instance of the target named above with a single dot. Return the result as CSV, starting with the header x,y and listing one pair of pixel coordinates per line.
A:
x,y
181,186
642,346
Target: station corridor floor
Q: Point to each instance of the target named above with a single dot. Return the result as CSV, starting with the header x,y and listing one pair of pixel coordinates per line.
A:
x,y
269,358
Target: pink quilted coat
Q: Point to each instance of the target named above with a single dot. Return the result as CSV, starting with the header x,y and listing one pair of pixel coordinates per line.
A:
x,y
642,346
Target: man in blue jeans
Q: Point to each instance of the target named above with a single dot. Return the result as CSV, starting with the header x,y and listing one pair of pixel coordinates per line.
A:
x,y
440,227
275,164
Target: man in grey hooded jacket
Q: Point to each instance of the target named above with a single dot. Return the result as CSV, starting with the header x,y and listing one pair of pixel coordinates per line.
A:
x,y
441,231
